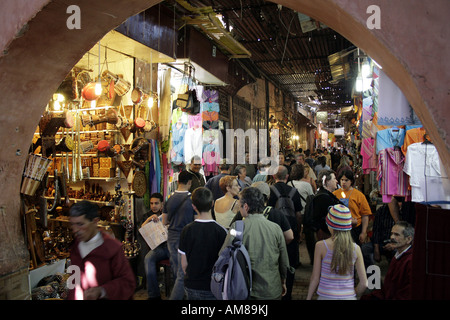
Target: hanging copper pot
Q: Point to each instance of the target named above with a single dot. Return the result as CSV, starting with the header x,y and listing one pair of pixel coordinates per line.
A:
x,y
88,93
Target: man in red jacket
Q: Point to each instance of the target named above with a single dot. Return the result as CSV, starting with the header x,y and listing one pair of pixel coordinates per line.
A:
x,y
397,282
105,272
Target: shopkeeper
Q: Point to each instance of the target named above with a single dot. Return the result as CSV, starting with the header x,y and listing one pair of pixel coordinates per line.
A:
x,y
198,179
105,271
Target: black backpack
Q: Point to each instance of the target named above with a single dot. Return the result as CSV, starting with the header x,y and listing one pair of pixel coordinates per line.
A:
x,y
285,203
308,215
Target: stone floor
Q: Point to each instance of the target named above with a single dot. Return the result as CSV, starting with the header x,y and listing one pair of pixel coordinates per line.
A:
x,y
301,284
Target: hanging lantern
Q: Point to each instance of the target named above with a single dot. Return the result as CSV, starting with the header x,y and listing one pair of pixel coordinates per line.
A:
x,y
90,91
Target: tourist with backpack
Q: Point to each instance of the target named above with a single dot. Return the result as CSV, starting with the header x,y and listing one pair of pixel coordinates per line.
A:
x,y
316,210
270,213
266,247
287,199
200,243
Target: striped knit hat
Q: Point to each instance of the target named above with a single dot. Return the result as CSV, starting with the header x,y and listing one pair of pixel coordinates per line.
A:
x,y
339,218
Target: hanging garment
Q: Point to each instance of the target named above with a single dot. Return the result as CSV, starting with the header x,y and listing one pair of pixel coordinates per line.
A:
x,y
193,143
209,95
369,155
393,107
390,138
375,88
427,177
210,125
393,181
209,106
367,111
179,116
210,116
195,121
413,136
211,151
178,136
369,130
157,166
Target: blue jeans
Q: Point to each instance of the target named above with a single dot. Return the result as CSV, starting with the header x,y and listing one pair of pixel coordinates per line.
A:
x,y
193,294
175,261
151,259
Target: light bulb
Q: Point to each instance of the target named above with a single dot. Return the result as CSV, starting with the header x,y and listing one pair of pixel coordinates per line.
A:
x,y
98,89
359,84
56,106
150,102
365,69
59,97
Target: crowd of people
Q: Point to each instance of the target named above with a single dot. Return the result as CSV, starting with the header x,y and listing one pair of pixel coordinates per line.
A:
x,y
312,197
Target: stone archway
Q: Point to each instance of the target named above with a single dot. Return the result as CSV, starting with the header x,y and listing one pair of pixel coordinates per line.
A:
x,y
39,50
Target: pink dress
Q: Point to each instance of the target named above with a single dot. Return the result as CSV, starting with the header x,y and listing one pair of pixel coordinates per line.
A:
x,y
393,181
369,155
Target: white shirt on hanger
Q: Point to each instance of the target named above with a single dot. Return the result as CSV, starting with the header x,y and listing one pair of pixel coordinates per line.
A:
x,y
427,176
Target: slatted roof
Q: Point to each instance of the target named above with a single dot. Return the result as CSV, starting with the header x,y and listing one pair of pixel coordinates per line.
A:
x,y
289,48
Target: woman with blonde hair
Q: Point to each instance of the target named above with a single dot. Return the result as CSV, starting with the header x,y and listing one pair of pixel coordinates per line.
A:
x,y
335,260
308,178
227,206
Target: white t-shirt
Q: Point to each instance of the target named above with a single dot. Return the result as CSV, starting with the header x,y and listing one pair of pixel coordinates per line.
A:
x,y
304,188
426,173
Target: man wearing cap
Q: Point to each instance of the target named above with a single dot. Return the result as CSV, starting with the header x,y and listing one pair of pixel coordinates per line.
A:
x,y
198,179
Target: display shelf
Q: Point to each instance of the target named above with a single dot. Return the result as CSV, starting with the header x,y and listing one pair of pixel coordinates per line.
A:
x,y
110,179
86,131
107,203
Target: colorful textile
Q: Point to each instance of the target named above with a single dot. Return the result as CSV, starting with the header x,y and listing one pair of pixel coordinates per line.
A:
x,y
209,106
211,151
210,96
210,116
178,135
390,138
195,121
413,136
393,181
369,156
